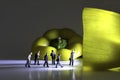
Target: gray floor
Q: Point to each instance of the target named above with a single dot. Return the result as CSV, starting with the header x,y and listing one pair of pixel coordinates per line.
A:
x,y
15,70
101,75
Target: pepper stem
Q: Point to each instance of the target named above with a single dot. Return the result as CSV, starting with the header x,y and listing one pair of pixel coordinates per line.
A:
x,y
59,43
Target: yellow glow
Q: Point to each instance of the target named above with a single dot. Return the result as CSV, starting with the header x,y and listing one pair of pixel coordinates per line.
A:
x,y
52,34
87,68
109,22
78,49
65,54
101,43
115,69
42,44
43,50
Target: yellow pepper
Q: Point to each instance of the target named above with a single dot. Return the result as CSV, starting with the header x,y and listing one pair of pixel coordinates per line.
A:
x,y
62,41
101,46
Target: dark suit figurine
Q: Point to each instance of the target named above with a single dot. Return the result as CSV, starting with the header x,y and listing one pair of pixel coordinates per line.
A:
x,y
28,61
53,56
37,56
71,58
46,60
58,61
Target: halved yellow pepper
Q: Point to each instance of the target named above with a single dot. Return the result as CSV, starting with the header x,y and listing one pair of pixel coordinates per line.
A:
x,y
50,41
101,46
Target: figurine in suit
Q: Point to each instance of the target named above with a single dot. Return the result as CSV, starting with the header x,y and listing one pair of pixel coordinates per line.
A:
x,y
53,56
58,61
46,60
28,62
37,56
71,58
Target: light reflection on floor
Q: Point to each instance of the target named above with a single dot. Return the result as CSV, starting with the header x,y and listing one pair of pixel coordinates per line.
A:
x,y
15,70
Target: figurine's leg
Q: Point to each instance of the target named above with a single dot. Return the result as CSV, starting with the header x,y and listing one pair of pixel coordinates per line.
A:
x,y
44,64
26,65
47,64
29,64
54,61
35,62
61,65
38,62
56,65
72,62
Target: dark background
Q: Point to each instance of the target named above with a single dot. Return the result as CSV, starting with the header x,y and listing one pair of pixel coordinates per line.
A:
x,y
22,21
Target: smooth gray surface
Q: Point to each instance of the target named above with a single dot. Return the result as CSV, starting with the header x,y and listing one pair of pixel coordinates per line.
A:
x,y
101,75
15,70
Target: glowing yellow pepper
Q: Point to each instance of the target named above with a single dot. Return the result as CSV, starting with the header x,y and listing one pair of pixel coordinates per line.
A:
x,y
62,41
101,43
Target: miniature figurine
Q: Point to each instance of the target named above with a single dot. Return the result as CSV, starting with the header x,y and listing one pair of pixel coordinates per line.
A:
x,y
37,56
53,56
46,60
58,61
71,58
28,62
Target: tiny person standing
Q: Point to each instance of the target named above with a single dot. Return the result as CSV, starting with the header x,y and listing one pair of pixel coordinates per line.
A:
x,y
71,58
53,56
28,62
37,56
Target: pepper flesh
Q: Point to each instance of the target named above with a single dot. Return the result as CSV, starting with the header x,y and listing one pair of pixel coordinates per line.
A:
x,y
60,42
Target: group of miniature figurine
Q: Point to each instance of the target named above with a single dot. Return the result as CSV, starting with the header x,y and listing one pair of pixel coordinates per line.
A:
x,y
53,56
